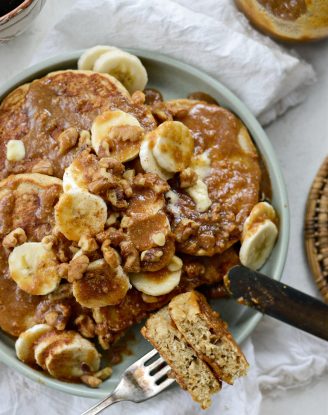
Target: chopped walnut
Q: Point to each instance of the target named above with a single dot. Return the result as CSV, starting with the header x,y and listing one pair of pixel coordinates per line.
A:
x,y
188,178
104,373
58,315
126,222
84,138
77,268
111,256
185,229
14,238
67,139
151,181
206,240
102,184
129,175
112,218
138,98
85,326
160,112
110,163
62,270
91,381
116,236
49,241
43,167
151,255
87,244
116,198
127,189
131,256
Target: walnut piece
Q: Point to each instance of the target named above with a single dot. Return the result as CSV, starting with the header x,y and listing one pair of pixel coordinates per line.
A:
x,y
84,138
43,167
58,315
77,268
14,238
91,381
188,178
151,255
87,244
131,256
151,181
138,98
67,139
85,326
185,229
111,256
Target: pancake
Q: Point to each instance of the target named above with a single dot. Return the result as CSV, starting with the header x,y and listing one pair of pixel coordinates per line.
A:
x,y
39,112
26,201
228,163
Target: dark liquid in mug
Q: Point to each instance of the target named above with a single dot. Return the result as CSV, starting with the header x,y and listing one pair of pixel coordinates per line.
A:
x,y
7,5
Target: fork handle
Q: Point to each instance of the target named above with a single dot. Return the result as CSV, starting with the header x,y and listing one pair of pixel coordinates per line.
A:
x,y
105,403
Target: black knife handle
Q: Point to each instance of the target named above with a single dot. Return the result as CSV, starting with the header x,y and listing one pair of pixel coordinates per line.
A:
x,y
278,300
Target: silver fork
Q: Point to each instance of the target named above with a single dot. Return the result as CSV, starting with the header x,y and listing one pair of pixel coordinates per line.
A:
x,y
139,383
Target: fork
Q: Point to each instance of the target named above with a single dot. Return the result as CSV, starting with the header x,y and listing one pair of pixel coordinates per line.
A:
x,y
139,383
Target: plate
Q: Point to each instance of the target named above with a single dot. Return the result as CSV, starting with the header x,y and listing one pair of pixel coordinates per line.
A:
x,y
175,80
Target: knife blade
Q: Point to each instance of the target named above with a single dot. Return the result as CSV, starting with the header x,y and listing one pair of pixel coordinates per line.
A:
x,y
278,300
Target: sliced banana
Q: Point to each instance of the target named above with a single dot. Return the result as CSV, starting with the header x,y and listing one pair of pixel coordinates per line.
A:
x,y
102,287
260,212
148,161
258,244
199,194
73,179
174,146
156,283
26,341
125,67
246,142
80,213
66,355
88,58
117,133
70,360
33,266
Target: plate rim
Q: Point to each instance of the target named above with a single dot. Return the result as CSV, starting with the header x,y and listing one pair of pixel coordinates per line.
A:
x,y
243,112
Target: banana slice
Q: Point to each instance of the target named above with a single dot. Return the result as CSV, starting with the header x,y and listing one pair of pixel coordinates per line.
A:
x,y
148,161
260,212
101,287
80,213
246,142
125,67
26,341
70,360
156,283
33,266
88,58
199,194
73,179
174,146
118,134
66,355
258,244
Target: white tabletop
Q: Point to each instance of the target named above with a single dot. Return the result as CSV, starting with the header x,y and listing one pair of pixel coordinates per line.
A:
x,y
300,139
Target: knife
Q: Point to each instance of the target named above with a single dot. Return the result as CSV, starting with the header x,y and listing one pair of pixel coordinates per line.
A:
x,y
278,300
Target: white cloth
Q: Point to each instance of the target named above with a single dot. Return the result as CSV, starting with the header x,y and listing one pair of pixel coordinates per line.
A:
x,y
210,35
269,79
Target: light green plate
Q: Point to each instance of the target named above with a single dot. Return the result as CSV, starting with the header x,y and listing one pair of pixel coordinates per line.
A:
x,y
175,80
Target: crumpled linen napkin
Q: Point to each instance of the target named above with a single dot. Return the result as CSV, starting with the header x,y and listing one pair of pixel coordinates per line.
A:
x,y
213,36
